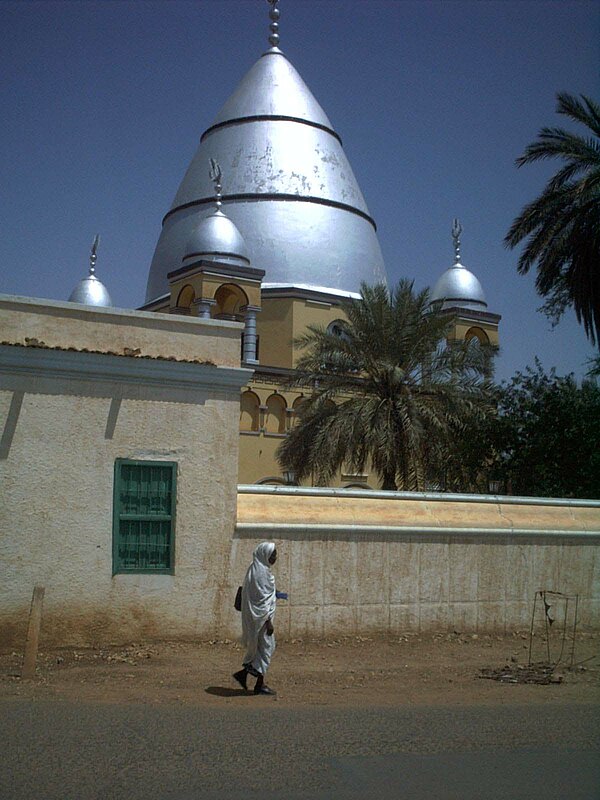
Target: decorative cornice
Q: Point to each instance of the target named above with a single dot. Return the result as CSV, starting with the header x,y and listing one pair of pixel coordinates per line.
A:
x,y
219,269
471,313
303,293
75,366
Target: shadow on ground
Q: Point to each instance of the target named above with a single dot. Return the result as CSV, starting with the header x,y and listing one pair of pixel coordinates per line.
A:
x,y
225,691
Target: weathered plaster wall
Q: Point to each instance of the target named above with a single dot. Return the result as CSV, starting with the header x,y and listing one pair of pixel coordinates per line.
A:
x,y
64,419
372,562
76,327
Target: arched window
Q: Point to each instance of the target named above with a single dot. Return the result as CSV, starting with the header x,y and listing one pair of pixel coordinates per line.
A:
x,y
185,298
297,409
249,412
338,328
230,299
275,417
477,333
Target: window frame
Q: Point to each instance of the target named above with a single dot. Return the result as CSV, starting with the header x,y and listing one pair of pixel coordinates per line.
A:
x,y
117,568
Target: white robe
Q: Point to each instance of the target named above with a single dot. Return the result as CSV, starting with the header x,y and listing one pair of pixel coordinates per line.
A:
x,y
258,605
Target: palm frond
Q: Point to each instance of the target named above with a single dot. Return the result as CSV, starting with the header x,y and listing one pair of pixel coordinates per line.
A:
x,y
560,229
399,387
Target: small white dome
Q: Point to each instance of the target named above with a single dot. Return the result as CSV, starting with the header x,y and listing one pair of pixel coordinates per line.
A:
x,y
216,238
458,286
91,292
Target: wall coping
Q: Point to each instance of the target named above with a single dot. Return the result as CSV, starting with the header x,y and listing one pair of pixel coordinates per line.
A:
x,y
374,494
293,530
123,316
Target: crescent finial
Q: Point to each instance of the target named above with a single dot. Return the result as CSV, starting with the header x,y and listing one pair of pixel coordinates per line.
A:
x,y
215,174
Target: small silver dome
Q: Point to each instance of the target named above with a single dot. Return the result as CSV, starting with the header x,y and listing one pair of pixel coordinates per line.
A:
x,y
216,238
458,286
91,292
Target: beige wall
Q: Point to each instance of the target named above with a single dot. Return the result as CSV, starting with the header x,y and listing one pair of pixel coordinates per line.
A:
x,y
274,325
391,562
55,324
64,419
284,319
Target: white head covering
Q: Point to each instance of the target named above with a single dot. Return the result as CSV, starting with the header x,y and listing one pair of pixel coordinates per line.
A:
x,y
258,594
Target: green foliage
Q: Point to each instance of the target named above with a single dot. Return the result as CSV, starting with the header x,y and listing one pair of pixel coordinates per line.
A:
x,y
562,226
543,441
549,430
402,394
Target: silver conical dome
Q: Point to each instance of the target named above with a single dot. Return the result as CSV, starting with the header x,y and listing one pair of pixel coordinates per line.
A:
x,y
290,189
216,238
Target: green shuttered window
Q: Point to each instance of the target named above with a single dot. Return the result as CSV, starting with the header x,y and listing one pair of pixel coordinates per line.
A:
x,y
144,516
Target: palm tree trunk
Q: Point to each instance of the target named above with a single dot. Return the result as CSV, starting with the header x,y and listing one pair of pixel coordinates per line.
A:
x,y
388,482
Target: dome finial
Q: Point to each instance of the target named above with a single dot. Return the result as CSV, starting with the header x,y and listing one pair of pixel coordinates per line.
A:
x,y
215,174
456,232
93,252
274,26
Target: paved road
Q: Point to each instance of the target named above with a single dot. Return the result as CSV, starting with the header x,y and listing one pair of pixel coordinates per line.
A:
x,y
63,751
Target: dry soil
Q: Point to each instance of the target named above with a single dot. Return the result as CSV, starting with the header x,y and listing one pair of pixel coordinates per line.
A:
x,y
438,669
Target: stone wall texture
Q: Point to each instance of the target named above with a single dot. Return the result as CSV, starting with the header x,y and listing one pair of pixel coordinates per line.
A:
x,y
369,562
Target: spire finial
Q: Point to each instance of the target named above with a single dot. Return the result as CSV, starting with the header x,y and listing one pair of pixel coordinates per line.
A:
x,y
93,253
274,26
215,174
456,232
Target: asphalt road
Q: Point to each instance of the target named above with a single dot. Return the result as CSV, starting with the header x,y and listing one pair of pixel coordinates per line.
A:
x,y
61,750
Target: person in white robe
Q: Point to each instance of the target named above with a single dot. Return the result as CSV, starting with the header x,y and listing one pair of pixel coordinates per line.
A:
x,y
259,600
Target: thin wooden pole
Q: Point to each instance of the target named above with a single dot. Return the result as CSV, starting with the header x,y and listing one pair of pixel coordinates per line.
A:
x,y
547,627
531,628
33,632
574,629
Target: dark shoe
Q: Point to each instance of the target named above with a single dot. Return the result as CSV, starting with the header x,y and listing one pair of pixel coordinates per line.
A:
x,y
241,677
264,690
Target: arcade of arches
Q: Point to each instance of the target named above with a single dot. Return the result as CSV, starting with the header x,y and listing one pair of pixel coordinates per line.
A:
x,y
266,414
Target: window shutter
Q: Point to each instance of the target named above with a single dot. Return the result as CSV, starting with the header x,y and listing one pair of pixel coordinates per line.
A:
x,y
144,516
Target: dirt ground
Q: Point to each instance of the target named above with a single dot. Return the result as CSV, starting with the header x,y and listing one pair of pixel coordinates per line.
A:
x,y
438,669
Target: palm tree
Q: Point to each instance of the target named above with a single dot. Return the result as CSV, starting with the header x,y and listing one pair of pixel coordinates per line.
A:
x,y
562,225
401,391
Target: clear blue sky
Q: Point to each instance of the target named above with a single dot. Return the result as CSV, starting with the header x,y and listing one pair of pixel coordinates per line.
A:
x,y
102,105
